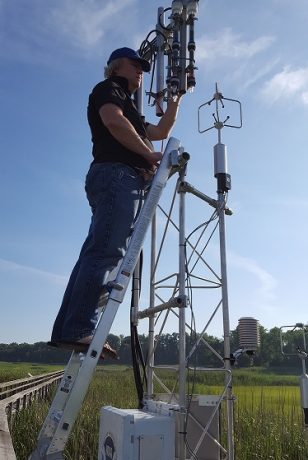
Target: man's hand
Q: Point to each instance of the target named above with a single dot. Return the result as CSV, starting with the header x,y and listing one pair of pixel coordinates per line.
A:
x,y
153,158
166,122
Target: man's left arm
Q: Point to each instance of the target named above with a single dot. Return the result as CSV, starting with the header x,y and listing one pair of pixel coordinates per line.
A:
x,y
165,124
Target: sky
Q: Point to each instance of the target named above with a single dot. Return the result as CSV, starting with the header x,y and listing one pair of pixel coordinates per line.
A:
x,y
52,54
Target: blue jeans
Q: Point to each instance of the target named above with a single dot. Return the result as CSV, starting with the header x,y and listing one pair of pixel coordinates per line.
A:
x,y
115,193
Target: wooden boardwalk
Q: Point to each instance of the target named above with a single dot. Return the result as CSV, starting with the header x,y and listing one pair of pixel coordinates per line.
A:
x,y
16,395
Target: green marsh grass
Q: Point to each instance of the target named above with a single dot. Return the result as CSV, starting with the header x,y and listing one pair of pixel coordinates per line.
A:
x,y
269,424
268,418
14,371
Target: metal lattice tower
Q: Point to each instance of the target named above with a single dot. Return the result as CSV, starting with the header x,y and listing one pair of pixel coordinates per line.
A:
x,y
174,293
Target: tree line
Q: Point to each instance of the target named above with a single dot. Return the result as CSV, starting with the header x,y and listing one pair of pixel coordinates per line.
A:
x,y
268,355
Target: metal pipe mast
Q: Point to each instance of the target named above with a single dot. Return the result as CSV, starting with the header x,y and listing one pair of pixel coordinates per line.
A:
x,y
223,187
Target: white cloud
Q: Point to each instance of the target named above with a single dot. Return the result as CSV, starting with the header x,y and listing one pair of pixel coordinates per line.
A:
x,y
9,266
292,202
263,293
304,97
287,84
260,71
231,45
50,30
85,23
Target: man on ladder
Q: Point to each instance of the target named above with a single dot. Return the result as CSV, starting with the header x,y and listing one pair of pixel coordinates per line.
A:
x,y
124,162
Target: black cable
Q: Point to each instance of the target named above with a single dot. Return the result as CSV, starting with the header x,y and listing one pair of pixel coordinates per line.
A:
x,y
159,18
152,80
137,354
213,217
149,47
137,375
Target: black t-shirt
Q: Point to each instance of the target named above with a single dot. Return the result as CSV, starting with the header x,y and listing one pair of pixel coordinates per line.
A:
x,y
106,148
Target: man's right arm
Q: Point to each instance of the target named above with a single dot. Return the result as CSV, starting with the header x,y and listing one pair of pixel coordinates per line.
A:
x,y
124,132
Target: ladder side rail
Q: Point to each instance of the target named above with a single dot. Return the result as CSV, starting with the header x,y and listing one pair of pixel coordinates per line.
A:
x,y
82,382
57,406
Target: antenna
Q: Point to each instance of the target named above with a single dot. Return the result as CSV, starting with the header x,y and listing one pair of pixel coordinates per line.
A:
x,y
160,39
173,48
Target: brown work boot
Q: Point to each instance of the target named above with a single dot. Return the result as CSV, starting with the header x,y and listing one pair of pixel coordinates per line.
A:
x,y
109,352
82,346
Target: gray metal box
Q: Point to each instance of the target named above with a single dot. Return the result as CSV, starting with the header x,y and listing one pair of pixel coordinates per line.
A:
x,y
132,434
200,408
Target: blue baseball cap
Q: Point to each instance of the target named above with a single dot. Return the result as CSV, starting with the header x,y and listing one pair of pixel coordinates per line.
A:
x,y
130,54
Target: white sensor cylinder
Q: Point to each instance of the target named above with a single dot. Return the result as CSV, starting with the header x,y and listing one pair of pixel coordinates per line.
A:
x,y
220,159
249,333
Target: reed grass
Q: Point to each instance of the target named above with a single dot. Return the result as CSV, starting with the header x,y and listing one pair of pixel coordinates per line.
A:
x,y
268,419
269,424
14,371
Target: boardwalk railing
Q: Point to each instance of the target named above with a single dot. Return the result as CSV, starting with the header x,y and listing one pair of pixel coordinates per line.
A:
x,y
16,395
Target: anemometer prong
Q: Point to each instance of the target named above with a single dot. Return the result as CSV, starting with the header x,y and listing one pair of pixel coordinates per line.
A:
x,y
218,124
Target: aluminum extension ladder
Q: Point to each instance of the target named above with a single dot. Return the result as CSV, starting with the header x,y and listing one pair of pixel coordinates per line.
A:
x,y
78,373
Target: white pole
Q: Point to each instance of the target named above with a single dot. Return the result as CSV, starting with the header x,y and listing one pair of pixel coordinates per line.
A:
x,y
226,323
182,329
150,363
